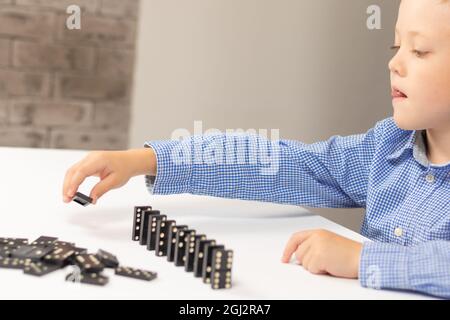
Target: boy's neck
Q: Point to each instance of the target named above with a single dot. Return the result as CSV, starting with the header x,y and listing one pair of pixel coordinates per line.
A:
x,y
438,145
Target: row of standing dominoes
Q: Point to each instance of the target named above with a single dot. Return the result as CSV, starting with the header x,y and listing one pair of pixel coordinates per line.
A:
x,y
183,246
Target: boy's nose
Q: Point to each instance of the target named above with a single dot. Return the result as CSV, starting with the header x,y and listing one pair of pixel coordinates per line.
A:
x,y
396,66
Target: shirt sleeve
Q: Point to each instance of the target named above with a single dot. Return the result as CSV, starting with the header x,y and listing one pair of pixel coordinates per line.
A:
x,y
332,173
423,268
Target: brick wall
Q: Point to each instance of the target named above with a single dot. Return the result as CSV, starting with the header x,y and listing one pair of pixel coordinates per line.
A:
x,y
62,88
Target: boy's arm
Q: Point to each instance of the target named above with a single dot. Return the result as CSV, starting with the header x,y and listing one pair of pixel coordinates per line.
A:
x,y
332,173
424,267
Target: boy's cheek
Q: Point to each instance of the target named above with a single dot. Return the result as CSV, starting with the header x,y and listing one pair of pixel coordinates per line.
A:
x,y
435,102
432,86
428,95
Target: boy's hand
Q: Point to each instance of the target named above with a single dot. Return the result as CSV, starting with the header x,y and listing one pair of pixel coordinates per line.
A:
x,y
324,252
114,168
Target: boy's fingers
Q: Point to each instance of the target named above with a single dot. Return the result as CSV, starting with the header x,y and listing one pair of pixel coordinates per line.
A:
x,y
79,174
102,187
67,179
307,260
75,181
302,250
293,243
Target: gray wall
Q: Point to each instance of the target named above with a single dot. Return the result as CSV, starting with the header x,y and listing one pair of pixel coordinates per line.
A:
x,y
309,68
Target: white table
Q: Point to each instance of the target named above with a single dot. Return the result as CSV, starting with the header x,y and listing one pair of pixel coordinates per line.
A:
x,y
31,205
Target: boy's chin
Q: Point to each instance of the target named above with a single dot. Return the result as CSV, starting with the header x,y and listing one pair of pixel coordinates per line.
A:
x,y
406,123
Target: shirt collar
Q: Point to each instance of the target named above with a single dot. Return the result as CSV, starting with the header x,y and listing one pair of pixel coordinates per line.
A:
x,y
409,144
420,149
416,143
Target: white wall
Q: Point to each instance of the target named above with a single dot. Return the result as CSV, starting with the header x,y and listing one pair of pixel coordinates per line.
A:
x,y
309,68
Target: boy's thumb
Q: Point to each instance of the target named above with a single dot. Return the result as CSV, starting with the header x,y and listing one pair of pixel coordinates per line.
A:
x,y
102,187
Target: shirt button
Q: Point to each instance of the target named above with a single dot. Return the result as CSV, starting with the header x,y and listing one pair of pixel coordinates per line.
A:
x,y
429,178
398,232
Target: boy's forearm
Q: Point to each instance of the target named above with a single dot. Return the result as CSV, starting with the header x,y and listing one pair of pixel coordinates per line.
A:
x,y
142,161
220,165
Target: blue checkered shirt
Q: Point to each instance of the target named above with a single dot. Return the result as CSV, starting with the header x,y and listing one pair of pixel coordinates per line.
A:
x,y
385,171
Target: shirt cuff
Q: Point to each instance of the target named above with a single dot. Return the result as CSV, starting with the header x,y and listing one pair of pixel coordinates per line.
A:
x,y
172,176
150,183
384,266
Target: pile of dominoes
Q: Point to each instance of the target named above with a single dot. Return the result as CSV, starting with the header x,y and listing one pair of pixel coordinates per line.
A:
x,y
181,245
46,255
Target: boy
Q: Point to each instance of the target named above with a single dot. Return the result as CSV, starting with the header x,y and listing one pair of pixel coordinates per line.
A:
x,y
399,171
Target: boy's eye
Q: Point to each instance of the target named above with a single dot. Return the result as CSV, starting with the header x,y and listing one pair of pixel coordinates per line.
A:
x,y
419,54
395,48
